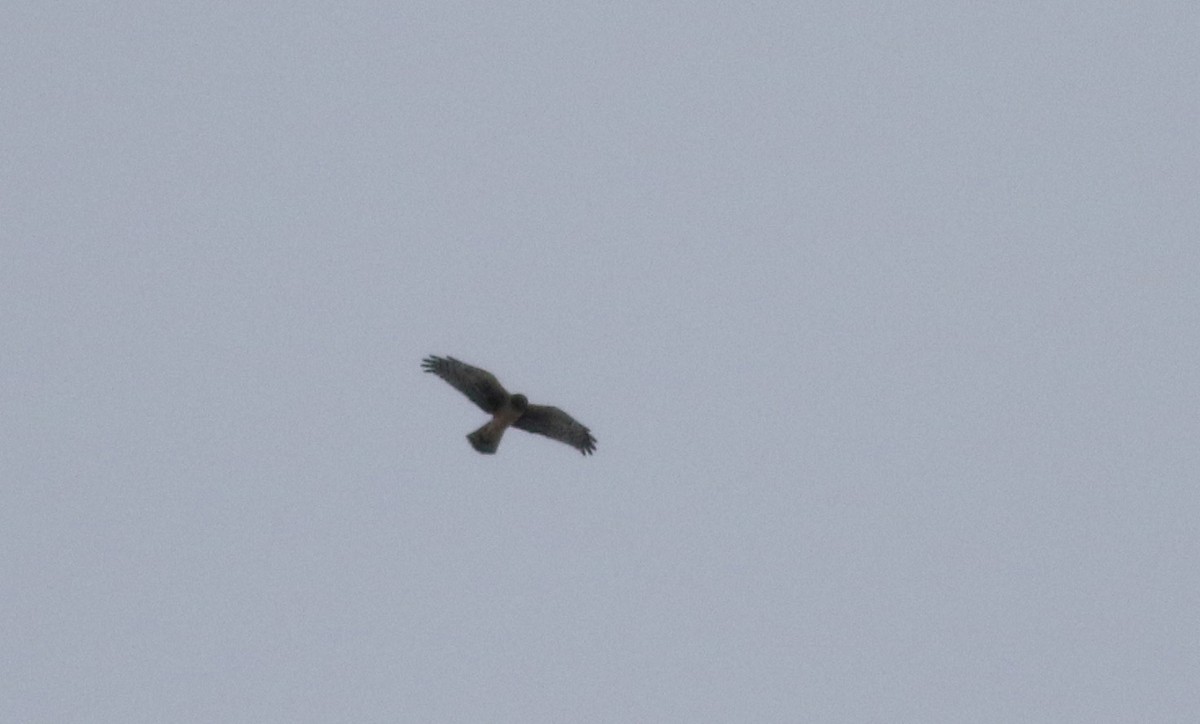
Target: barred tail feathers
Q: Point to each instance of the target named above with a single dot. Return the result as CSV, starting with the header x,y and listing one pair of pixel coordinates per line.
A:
x,y
487,438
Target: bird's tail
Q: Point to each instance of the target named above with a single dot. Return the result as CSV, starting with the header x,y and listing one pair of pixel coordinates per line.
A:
x,y
487,438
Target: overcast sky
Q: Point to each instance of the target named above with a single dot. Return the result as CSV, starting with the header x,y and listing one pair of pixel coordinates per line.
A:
x,y
886,318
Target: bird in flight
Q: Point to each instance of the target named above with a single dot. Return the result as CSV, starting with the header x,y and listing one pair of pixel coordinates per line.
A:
x,y
482,388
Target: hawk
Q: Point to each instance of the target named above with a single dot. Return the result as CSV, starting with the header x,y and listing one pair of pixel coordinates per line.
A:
x,y
482,388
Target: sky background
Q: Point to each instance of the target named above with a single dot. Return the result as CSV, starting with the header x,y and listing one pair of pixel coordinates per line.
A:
x,y
886,318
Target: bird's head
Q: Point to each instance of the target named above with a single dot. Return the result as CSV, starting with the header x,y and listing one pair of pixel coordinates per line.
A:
x,y
519,402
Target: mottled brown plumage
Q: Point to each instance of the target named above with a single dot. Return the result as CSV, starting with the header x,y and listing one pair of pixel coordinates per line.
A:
x,y
482,388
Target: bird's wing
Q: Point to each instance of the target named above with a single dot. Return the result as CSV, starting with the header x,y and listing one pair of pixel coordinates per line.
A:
x,y
557,425
480,386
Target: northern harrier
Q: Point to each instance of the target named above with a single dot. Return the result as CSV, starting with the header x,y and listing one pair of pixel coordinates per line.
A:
x,y
482,388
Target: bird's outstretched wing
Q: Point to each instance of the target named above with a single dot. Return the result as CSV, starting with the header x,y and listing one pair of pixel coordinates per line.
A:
x,y
480,386
557,425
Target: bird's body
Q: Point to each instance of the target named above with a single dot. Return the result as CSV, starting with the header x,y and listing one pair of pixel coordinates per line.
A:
x,y
487,438
482,388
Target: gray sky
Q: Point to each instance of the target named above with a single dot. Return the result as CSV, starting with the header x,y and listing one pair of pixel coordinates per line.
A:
x,y
887,320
